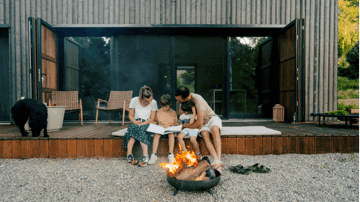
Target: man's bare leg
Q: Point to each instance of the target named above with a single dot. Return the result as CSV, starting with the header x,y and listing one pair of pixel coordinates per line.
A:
x,y
209,144
215,132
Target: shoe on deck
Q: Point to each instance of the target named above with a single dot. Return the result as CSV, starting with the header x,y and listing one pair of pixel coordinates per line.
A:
x,y
256,168
171,158
143,162
153,159
131,159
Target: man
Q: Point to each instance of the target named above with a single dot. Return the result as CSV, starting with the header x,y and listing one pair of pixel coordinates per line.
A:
x,y
207,121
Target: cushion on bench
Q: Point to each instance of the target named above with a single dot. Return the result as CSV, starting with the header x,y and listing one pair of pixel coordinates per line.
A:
x,y
228,130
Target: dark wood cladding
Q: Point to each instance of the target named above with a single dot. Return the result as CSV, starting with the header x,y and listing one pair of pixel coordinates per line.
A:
x,y
112,147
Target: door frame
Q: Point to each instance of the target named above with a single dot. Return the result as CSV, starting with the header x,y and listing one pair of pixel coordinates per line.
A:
x,y
36,55
8,27
299,67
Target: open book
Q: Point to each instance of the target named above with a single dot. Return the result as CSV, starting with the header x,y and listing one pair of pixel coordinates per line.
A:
x,y
162,131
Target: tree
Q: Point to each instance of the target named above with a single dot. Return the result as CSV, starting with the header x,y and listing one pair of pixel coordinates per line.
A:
x,y
348,25
188,77
244,53
352,57
94,67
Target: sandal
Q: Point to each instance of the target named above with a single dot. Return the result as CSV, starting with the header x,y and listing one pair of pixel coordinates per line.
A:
x,y
240,169
131,159
256,168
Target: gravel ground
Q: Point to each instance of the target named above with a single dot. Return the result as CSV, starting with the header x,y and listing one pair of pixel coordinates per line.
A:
x,y
322,177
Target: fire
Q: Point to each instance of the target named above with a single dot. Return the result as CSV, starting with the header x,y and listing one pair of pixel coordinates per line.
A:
x,y
188,157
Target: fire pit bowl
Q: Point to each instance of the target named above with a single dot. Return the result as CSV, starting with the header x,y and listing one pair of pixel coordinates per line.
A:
x,y
193,185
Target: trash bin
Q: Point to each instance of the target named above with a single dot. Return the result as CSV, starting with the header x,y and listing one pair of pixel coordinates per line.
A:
x,y
278,113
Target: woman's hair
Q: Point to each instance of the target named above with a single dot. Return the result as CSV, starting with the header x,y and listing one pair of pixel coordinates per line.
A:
x,y
165,100
187,106
182,91
145,92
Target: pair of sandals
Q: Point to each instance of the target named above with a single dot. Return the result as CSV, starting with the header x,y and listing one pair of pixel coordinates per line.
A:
x,y
256,168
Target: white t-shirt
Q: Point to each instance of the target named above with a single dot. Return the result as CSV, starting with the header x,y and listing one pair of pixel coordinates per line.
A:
x,y
140,111
186,116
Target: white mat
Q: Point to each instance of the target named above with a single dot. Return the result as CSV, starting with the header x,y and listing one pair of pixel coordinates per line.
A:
x,y
249,130
120,132
228,130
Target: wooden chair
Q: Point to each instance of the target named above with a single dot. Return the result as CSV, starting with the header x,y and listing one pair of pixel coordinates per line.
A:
x,y
118,101
70,99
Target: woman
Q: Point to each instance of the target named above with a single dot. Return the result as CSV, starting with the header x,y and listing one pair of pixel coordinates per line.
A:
x,y
142,112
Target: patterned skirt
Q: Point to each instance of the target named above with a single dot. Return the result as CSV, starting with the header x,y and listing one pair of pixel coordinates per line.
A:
x,y
138,133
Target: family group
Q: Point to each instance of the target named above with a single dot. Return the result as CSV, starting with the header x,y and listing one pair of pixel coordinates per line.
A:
x,y
195,115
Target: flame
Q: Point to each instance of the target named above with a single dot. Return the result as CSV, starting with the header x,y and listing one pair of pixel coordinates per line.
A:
x,y
188,157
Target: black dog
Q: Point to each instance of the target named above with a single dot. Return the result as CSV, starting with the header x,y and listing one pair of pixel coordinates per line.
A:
x,y
33,109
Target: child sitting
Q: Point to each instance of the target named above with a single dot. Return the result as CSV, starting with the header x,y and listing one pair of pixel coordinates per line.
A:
x,y
165,117
189,116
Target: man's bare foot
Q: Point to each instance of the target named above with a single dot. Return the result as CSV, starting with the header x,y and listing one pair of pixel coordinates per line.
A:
x,y
216,164
220,170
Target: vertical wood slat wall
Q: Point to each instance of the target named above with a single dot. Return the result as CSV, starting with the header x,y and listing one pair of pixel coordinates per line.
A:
x,y
112,148
320,29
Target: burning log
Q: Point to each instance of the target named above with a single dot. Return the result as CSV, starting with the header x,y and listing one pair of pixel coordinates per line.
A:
x,y
179,169
201,177
191,173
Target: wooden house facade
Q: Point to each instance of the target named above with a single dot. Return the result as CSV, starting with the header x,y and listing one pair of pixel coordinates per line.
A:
x,y
151,39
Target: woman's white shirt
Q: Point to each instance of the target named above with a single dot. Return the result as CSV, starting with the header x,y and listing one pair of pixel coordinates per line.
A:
x,y
140,111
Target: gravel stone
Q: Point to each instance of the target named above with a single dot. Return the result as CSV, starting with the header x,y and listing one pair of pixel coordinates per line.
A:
x,y
293,177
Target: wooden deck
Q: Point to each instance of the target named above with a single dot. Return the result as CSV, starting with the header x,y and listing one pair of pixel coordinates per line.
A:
x,y
90,141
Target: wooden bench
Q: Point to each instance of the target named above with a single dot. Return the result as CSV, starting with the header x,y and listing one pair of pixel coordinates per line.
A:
x,y
347,117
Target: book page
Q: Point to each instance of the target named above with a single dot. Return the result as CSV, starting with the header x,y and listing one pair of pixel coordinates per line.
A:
x,y
162,131
155,129
173,128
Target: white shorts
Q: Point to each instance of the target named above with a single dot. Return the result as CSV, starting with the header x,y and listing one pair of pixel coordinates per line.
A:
x,y
214,121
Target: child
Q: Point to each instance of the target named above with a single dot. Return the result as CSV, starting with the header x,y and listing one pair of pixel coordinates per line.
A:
x,y
165,117
189,116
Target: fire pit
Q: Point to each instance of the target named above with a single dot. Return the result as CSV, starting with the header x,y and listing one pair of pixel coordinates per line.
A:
x,y
186,185
189,174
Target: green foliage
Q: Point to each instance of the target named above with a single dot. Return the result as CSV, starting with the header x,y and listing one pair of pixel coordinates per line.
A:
x,y
348,94
338,112
343,159
188,77
352,57
178,82
189,86
243,62
352,106
342,106
348,25
94,67
346,84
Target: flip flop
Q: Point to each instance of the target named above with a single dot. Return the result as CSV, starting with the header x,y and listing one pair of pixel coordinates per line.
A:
x,y
256,168
240,169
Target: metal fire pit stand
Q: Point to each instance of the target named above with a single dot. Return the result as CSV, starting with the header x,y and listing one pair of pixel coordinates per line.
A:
x,y
208,190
